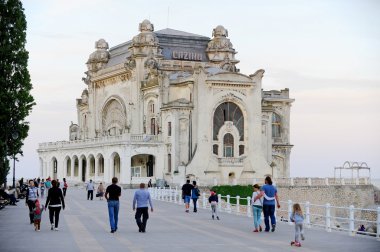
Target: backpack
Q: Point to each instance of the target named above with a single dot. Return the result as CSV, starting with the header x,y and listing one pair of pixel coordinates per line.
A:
x,y
196,192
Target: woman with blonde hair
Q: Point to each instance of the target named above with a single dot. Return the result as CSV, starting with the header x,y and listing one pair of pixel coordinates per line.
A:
x,y
297,218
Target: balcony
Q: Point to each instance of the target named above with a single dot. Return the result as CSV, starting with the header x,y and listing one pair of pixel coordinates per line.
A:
x,y
231,161
108,140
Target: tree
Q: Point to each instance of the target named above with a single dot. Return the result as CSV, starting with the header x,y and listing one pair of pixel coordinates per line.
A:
x,y
16,102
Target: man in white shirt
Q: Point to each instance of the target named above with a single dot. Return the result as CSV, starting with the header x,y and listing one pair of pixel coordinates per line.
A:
x,y
90,189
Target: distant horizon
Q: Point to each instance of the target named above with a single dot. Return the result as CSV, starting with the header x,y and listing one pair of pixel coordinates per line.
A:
x,y
326,52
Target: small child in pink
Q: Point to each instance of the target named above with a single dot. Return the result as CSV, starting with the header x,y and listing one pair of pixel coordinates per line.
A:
x,y
37,211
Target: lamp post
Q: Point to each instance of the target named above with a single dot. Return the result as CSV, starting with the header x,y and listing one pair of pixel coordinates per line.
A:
x,y
14,137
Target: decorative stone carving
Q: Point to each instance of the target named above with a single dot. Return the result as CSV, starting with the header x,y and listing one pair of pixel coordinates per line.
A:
x,y
152,74
113,118
229,126
230,97
220,49
229,66
87,79
100,57
145,39
74,132
85,96
130,64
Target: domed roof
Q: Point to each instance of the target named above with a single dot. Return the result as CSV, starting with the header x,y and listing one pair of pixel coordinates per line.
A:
x,y
146,25
101,44
220,31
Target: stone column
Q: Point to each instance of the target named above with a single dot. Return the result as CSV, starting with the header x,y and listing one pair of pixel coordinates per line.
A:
x,y
96,168
88,167
108,169
80,163
127,165
72,168
64,169
44,173
122,179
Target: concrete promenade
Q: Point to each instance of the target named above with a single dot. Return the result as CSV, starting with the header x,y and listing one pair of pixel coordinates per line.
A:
x,y
84,226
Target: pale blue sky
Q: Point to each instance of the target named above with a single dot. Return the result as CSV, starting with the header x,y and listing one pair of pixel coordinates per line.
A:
x,y
326,52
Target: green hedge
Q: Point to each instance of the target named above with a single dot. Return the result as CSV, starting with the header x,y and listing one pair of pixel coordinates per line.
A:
x,y
233,191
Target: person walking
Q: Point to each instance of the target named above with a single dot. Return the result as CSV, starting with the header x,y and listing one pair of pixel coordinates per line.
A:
x,y
90,190
30,200
65,185
37,212
55,202
42,188
150,183
213,200
186,194
297,217
100,191
257,207
269,192
113,192
140,204
194,195
48,184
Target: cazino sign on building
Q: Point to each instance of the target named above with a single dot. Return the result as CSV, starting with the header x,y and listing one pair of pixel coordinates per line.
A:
x,y
183,55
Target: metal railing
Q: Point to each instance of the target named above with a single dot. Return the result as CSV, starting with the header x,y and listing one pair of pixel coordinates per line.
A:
x,y
324,216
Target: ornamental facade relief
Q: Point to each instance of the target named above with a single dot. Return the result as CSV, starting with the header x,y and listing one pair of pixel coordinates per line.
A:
x,y
113,118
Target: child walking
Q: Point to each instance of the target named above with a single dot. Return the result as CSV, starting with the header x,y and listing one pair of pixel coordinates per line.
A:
x,y
297,218
257,207
37,212
213,200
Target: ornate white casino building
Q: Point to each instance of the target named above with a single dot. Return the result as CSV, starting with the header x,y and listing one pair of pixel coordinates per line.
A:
x,y
168,105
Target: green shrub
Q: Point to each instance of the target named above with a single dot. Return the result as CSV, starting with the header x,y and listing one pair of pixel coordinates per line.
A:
x,y
233,191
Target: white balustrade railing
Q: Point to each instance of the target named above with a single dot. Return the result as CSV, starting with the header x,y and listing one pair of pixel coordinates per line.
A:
x,y
288,181
324,216
127,138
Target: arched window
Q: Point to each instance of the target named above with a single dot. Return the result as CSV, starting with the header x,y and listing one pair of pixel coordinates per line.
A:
x,y
68,167
276,125
101,165
228,111
215,149
76,167
169,163
228,145
241,150
151,117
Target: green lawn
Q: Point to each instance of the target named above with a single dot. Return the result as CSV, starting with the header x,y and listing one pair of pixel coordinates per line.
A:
x,y
233,191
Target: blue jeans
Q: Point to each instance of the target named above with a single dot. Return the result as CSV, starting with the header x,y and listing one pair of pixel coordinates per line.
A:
x,y
269,213
256,216
113,212
187,199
